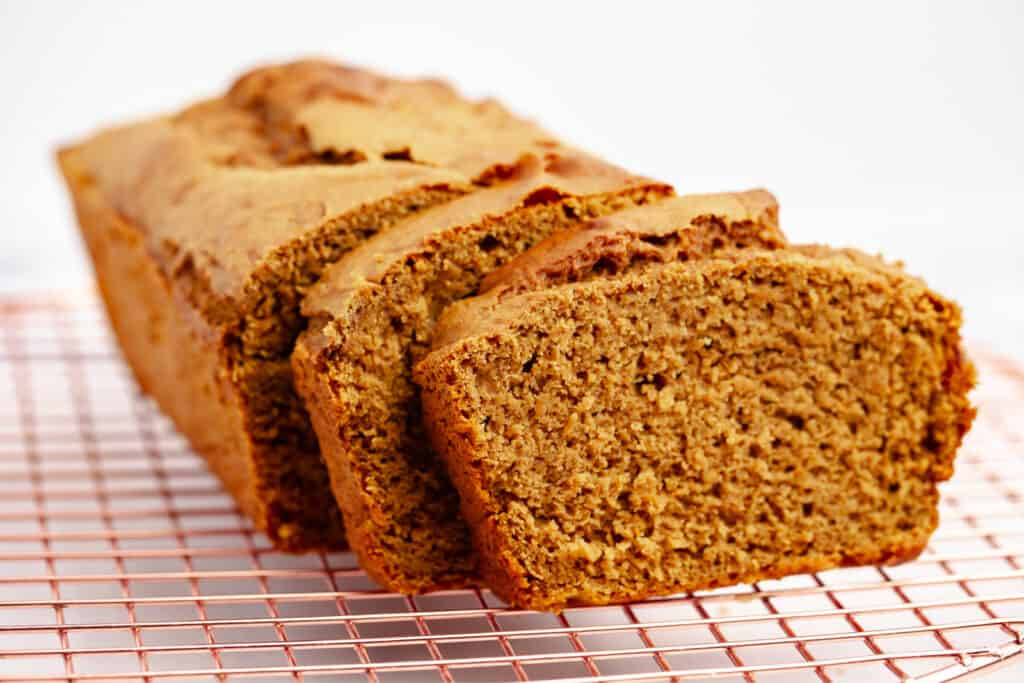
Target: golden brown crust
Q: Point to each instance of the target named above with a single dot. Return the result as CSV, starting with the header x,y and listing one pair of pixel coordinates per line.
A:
x,y
185,181
634,234
168,355
345,114
225,221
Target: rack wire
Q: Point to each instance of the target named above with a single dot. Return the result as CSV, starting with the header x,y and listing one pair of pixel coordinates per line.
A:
x,y
122,559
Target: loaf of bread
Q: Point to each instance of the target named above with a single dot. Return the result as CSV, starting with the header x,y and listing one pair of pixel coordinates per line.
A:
x,y
393,318
206,227
619,427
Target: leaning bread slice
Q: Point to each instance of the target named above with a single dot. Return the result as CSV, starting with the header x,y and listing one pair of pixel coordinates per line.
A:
x,y
371,318
691,425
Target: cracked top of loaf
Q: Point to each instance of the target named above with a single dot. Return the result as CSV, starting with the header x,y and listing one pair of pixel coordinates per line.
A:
x,y
223,186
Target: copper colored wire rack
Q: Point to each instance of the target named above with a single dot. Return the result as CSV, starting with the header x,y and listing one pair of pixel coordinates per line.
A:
x,y
122,559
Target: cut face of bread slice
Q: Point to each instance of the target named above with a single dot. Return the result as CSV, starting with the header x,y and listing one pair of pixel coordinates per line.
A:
x,y
235,206
697,424
372,317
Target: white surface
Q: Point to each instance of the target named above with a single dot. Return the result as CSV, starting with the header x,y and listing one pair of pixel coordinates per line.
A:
x,y
894,127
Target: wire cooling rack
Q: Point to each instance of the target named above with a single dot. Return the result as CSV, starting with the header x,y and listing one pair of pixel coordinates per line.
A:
x,y
122,559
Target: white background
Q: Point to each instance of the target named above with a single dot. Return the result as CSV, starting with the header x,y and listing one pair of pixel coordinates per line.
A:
x,y
891,126
895,126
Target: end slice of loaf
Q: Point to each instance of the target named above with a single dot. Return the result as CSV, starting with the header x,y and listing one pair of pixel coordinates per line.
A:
x,y
696,424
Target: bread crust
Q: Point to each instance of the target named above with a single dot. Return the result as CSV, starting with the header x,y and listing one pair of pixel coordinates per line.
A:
x,y
170,357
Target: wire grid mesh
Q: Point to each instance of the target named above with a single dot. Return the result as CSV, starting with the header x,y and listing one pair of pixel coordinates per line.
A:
x,y
122,559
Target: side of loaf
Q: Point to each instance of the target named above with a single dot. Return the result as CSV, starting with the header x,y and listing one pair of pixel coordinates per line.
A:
x,y
694,424
159,342
206,228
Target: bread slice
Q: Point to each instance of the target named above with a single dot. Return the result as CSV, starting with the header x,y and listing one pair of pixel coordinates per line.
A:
x,y
372,316
206,227
688,425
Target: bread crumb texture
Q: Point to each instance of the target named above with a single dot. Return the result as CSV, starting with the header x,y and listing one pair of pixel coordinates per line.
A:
x,y
700,424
